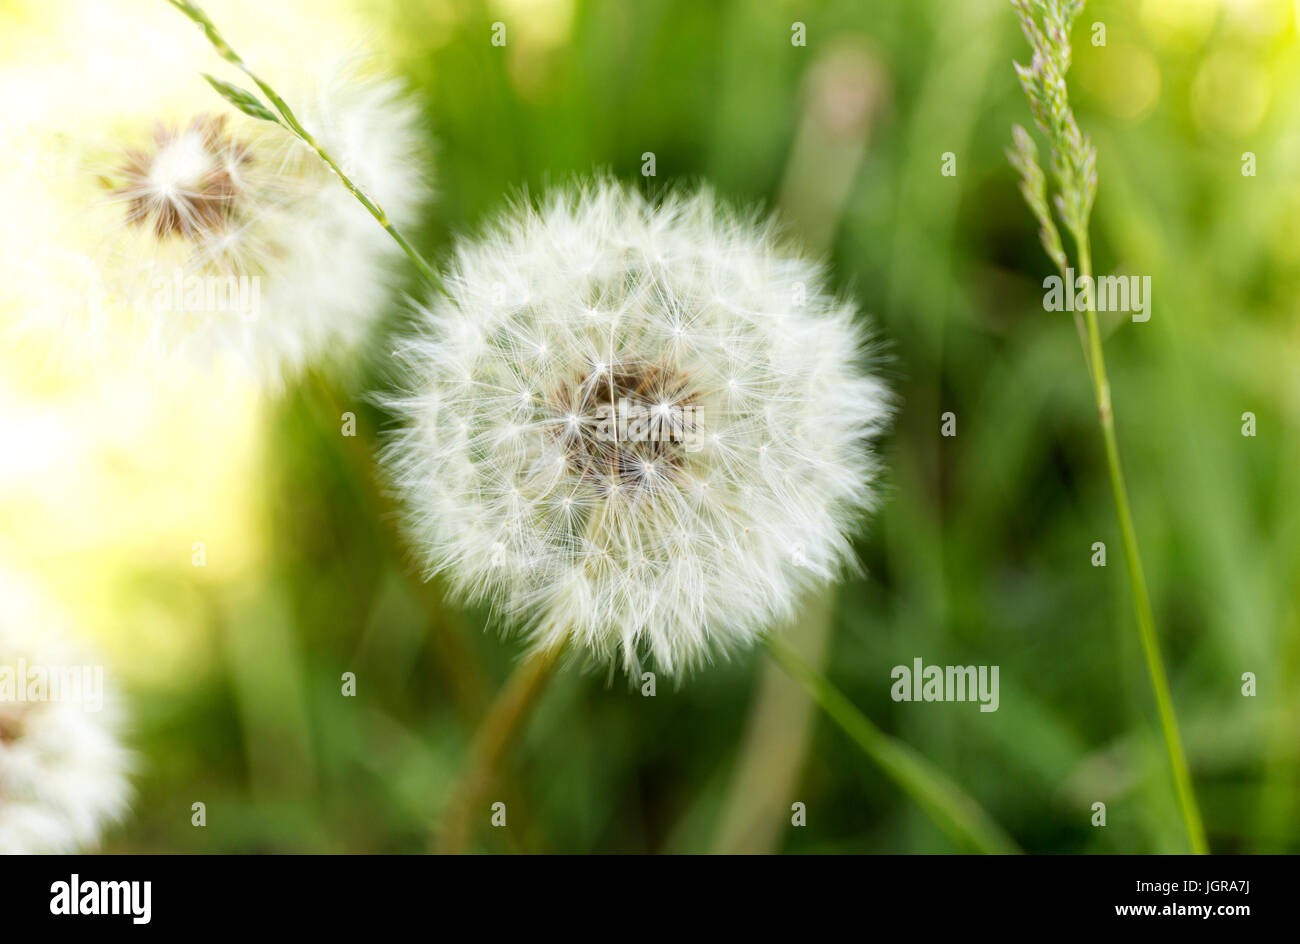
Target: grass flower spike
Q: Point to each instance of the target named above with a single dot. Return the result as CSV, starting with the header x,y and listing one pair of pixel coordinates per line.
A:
x,y
164,220
1073,162
62,768
641,429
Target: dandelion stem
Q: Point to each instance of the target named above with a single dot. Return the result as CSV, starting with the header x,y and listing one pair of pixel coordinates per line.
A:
x,y
1137,580
502,724
289,120
954,811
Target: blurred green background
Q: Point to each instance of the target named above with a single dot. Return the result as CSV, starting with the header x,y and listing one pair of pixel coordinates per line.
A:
x,y
981,553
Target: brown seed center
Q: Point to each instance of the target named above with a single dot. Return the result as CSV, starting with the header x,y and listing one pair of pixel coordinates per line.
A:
x,y
11,721
626,426
189,183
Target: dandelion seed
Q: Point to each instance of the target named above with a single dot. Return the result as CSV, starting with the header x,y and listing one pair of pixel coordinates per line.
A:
x,y
660,548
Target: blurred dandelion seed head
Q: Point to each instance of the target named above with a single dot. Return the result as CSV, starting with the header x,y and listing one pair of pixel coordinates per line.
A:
x,y
63,771
148,196
668,534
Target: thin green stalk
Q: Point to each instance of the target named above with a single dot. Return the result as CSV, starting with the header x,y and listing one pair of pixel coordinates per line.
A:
x,y
1073,161
1137,580
955,812
249,105
499,729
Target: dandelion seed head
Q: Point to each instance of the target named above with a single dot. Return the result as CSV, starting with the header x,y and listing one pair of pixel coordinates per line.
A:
x,y
671,546
158,222
63,770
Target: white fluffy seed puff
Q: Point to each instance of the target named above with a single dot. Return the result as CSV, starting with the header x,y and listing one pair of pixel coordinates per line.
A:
x,y
144,214
63,771
643,429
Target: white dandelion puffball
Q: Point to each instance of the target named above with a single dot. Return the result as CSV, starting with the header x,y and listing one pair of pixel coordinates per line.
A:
x,y
63,771
145,214
642,429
